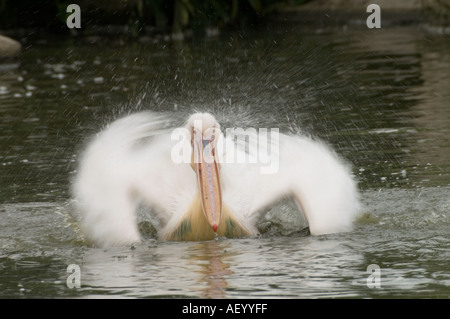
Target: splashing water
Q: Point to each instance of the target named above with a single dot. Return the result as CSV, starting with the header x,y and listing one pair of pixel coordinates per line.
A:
x,y
381,101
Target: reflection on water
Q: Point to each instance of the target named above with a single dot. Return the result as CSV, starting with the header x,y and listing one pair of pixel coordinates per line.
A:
x,y
380,98
213,269
159,270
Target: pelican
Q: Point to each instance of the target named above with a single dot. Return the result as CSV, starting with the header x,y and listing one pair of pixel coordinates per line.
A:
x,y
200,183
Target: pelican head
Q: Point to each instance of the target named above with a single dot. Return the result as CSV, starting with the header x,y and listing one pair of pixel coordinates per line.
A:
x,y
205,132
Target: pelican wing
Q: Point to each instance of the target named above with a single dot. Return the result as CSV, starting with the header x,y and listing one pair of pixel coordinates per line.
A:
x,y
125,164
306,170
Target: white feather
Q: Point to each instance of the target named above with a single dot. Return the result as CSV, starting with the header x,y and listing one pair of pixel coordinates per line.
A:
x,y
131,161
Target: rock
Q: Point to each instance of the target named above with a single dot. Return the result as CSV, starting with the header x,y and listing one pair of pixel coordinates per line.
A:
x,y
9,48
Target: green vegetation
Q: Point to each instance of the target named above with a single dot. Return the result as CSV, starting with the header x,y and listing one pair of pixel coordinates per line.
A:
x,y
200,14
170,16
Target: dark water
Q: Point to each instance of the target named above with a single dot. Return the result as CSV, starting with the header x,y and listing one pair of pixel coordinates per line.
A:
x,y
381,98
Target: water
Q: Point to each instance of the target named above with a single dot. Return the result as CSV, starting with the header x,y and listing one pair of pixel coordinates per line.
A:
x,y
380,98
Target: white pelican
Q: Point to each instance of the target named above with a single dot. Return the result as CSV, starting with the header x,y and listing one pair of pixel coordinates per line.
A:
x,y
138,160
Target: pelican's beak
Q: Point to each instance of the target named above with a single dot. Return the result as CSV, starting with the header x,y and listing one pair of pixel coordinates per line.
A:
x,y
207,169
